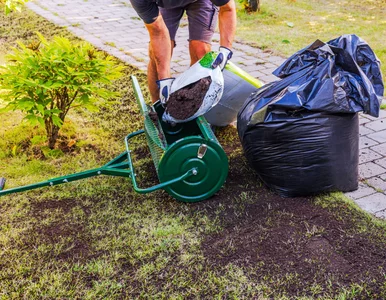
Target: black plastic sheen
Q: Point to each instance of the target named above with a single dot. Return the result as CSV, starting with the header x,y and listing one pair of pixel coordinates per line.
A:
x,y
301,133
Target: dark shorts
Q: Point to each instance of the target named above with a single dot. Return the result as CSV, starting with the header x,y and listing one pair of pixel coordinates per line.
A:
x,y
202,20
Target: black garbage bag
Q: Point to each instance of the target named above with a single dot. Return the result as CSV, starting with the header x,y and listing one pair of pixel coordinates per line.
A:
x,y
300,133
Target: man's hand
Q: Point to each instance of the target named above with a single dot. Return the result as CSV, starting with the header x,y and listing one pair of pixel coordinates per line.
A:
x,y
164,86
222,58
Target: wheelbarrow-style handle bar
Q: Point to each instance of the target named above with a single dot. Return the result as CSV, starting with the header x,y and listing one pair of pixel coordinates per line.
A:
x,y
116,167
189,173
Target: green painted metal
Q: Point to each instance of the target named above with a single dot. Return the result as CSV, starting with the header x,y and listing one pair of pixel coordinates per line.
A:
x,y
162,185
244,75
121,166
2,183
206,157
153,129
114,168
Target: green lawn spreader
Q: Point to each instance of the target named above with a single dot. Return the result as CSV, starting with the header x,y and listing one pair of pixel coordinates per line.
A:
x,y
191,164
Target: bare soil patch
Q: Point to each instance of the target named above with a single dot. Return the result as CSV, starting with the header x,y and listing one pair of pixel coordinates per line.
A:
x,y
293,243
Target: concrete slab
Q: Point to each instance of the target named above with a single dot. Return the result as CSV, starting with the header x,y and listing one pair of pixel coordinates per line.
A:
x,y
373,203
370,169
381,149
377,125
378,183
362,191
365,142
368,155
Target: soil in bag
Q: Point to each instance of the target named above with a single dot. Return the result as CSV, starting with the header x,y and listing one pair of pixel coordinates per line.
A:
x,y
185,102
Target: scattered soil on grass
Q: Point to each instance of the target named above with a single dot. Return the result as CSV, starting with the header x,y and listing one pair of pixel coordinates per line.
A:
x,y
64,205
72,234
287,244
185,102
294,243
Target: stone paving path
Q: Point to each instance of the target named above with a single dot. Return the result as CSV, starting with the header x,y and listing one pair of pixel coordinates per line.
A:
x,y
113,26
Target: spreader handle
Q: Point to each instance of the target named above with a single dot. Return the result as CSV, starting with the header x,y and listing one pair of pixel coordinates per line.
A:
x,y
2,183
138,95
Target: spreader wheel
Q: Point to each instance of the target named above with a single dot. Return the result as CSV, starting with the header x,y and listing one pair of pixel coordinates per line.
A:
x,y
209,162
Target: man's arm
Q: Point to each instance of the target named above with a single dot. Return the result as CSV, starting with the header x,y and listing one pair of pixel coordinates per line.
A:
x,y
227,23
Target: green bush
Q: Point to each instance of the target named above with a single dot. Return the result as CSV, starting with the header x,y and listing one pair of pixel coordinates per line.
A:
x,y
46,79
251,5
11,5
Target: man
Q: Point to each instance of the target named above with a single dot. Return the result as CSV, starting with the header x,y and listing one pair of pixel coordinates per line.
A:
x,y
162,19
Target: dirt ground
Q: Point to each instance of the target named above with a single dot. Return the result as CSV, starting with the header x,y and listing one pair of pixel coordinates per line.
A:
x,y
295,237
288,243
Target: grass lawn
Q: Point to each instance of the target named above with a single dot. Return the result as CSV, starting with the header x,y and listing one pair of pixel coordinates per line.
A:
x,y
98,239
286,26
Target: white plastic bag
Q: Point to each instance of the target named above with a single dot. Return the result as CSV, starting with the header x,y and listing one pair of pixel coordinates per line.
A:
x,y
200,70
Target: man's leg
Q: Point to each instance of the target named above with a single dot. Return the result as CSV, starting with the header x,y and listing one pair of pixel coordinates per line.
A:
x,y
197,49
202,18
171,18
152,76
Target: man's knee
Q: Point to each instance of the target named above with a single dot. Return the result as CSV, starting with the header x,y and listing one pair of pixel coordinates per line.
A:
x,y
151,52
197,50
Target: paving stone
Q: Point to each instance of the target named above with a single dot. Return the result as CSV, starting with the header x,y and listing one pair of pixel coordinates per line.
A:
x,y
277,60
381,214
373,203
370,169
362,191
179,69
381,149
367,155
379,136
382,115
252,67
383,176
270,65
378,183
258,75
377,125
268,78
365,142
364,130
250,59
266,71
363,120
140,65
381,162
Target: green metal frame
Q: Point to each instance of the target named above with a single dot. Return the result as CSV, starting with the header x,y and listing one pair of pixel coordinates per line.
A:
x,y
121,166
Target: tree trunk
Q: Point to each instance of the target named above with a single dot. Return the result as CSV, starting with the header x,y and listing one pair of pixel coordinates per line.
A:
x,y
253,5
52,133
